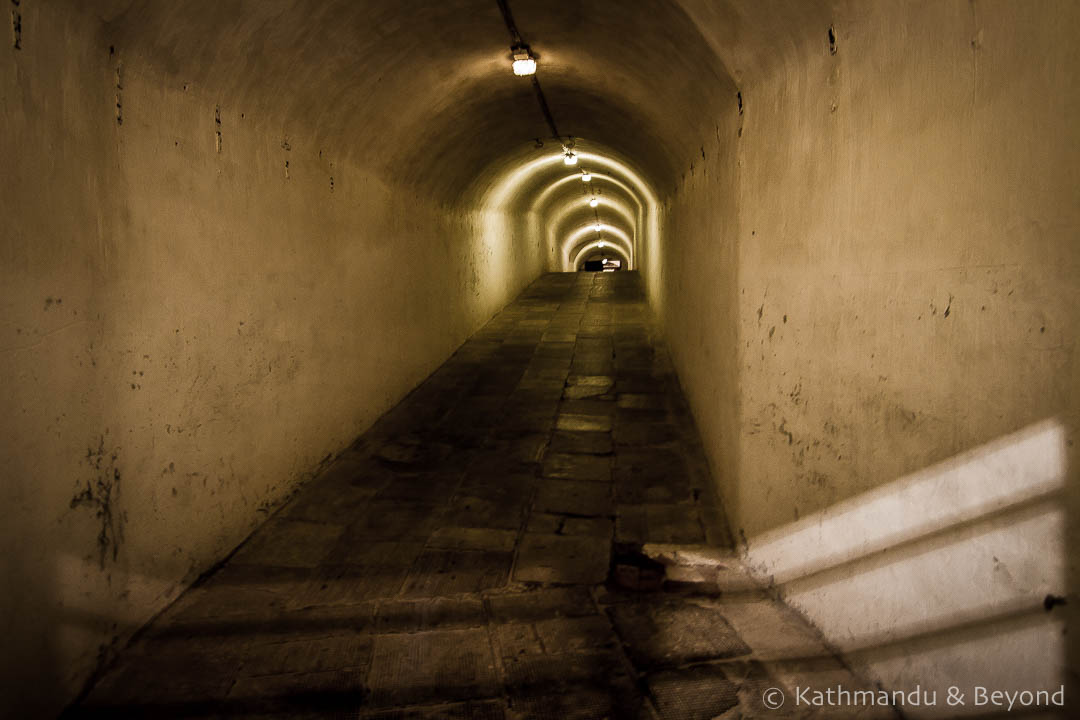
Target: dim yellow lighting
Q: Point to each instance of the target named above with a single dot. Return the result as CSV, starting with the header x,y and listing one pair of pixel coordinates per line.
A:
x,y
594,202
585,176
569,158
597,227
524,64
600,244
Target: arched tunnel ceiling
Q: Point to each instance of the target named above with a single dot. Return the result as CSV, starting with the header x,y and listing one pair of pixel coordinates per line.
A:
x,y
568,187
422,92
576,214
593,252
579,240
575,237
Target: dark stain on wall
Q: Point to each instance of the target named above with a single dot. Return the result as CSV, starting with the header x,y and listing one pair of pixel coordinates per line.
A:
x,y
99,495
1052,601
119,89
16,25
782,429
217,128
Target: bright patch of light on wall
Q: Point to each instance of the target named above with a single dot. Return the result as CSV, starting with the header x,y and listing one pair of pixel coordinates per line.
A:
x,y
600,244
594,202
569,158
598,227
524,63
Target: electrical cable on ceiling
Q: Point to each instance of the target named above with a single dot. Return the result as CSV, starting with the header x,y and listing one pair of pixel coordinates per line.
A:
x,y
508,18
521,52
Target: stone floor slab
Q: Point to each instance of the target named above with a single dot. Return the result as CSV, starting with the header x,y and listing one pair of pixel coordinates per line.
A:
x,y
391,520
540,604
773,630
574,497
462,538
584,386
561,559
499,513
316,655
577,467
439,613
413,669
449,572
669,634
641,401
470,710
582,443
577,422
697,693
326,694
289,543
565,635
349,584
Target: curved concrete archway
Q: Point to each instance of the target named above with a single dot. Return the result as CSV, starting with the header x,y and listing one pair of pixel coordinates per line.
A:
x,y
594,247
591,232
531,190
563,187
578,213
555,204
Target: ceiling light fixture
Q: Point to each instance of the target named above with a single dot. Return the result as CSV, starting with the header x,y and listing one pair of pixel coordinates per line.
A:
x,y
585,176
594,202
600,244
524,62
525,65
598,227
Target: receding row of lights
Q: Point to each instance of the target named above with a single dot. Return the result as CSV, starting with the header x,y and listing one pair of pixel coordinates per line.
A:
x,y
525,65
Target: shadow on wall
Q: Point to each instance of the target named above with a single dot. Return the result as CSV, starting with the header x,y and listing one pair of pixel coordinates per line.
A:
x,y
951,576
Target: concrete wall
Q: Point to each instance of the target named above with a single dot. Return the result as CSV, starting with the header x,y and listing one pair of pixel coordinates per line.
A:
x,y
189,330
897,284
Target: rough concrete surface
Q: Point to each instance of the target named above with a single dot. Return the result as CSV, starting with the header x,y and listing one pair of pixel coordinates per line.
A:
x,y
893,293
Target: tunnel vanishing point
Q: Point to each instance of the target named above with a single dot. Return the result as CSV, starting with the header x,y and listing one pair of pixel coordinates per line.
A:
x,y
569,359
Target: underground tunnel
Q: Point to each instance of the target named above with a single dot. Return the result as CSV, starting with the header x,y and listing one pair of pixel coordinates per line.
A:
x,y
520,359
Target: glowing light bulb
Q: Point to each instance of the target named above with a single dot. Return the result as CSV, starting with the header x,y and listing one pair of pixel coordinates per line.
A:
x,y
569,158
525,67
600,244
524,64
585,176
594,202
597,227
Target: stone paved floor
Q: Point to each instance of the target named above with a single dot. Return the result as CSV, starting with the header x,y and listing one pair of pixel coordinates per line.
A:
x,y
455,562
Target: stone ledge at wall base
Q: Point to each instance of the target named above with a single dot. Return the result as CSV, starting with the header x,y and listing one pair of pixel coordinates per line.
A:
x,y
718,570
